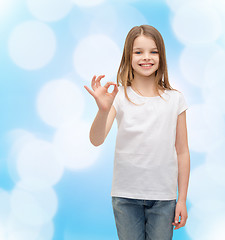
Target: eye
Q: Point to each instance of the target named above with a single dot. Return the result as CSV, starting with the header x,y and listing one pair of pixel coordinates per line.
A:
x,y
155,52
137,52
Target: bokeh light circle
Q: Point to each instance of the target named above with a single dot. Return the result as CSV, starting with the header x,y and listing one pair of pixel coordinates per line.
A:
x,y
196,23
49,10
32,45
33,208
74,146
87,3
38,165
59,101
96,55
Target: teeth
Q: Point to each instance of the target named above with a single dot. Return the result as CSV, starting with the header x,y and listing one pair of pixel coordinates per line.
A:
x,y
146,65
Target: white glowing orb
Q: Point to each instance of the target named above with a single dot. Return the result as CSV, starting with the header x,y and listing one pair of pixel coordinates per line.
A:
x,y
97,21
96,55
128,16
59,101
214,76
206,127
5,6
205,225
17,230
4,206
38,164
3,233
216,172
73,144
49,10
32,45
199,188
34,208
213,87
176,4
18,138
195,60
103,17
46,232
87,3
196,24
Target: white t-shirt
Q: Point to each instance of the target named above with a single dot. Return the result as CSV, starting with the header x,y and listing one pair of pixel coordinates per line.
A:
x,y
145,161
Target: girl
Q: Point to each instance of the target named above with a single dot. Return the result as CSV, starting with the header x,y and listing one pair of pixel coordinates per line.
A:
x,y
151,153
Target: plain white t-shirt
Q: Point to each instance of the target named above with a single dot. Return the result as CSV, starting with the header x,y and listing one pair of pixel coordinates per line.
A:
x,y
145,160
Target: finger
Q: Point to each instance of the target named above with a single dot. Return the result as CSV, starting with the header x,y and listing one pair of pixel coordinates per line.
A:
x,y
93,83
98,84
90,91
115,90
108,84
183,221
176,219
177,226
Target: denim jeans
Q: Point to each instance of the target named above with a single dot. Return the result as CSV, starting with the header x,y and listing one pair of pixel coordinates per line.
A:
x,y
144,219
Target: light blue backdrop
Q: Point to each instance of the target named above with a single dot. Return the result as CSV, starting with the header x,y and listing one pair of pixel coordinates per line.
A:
x,y
53,183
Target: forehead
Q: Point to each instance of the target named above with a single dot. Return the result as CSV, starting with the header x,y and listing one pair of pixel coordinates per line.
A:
x,y
144,42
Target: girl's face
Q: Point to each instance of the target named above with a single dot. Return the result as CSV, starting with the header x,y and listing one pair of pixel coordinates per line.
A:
x,y
145,56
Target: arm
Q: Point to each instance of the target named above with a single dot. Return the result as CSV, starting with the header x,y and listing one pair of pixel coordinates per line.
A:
x,y
106,114
101,126
183,157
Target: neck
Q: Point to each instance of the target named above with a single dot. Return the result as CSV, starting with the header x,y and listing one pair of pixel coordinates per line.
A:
x,y
144,84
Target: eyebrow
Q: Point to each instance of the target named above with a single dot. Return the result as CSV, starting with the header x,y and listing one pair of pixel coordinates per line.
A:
x,y
141,48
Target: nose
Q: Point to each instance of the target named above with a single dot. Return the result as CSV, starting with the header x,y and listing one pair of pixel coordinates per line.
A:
x,y
146,56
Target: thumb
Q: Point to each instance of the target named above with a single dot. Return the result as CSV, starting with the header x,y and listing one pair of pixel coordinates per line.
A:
x,y
176,217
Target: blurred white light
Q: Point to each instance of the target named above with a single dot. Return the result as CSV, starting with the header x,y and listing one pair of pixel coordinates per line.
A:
x,y
59,101
175,4
4,207
49,10
206,127
46,232
95,55
32,45
73,144
17,230
196,23
213,87
5,7
96,22
206,225
34,208
87,3
214,77
18,138
199,188
38,165
195,60
127,17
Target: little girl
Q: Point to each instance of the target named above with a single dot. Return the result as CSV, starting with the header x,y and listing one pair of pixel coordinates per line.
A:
x,y
151,153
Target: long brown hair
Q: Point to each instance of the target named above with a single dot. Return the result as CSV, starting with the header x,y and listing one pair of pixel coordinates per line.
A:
x,y
125,72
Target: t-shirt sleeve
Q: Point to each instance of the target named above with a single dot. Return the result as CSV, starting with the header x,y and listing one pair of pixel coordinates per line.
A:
x,y
116,100
182,106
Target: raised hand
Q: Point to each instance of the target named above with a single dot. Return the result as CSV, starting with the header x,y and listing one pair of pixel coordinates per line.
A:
x,y
103,98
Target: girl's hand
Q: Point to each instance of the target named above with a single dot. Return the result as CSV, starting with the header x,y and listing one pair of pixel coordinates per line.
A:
x,y
103,98
181,210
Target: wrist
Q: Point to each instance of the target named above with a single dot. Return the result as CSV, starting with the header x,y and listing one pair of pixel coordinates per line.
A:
x,y
183,200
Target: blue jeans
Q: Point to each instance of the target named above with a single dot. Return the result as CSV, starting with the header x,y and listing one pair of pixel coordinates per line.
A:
x,y
144,219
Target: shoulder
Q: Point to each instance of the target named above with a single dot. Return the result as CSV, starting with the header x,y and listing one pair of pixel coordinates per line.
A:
x,y
174,92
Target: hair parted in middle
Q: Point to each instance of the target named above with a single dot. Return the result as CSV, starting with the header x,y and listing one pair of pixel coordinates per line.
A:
x,y
125,74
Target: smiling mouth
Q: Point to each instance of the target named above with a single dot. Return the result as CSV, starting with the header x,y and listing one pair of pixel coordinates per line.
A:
x,y
146,65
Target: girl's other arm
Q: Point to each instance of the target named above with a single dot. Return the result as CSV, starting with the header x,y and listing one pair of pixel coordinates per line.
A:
x,y
106,114
183,157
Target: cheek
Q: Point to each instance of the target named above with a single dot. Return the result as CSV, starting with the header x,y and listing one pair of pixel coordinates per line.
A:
x,y
133,61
